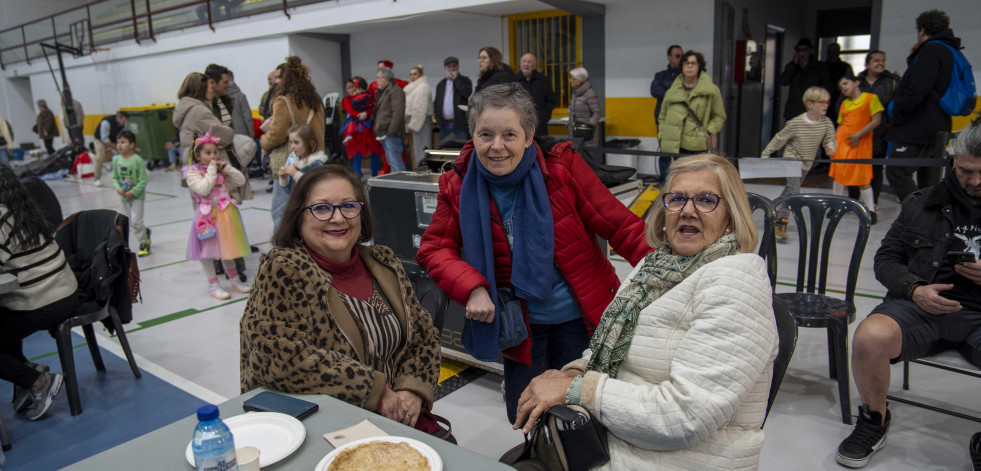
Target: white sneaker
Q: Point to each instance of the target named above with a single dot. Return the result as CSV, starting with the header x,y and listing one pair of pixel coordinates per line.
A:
x,y
217,291
98,183
241,286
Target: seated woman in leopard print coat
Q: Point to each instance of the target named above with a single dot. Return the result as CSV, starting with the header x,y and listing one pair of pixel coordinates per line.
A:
x,y
329,315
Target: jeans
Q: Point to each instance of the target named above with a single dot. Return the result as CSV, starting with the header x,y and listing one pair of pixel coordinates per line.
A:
x,y
552,347
792,188
280,196
17,325
447,127
375,164
393,152
174,153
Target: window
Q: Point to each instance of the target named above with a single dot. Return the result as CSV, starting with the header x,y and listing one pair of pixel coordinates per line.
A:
x,y
853,49
553,37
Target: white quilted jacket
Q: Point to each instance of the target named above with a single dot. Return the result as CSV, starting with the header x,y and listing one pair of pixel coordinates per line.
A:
x,y
692,391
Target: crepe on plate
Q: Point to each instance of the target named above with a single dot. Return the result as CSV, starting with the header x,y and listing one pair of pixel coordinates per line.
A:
x,y
380,456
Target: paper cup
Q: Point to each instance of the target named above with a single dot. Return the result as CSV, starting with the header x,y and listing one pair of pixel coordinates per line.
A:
x,y
248,458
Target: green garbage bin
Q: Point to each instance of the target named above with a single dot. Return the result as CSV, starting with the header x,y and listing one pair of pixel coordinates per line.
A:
x,y
153,126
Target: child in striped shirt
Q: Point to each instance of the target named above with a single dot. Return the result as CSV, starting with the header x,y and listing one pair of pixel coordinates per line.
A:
x,y
800,139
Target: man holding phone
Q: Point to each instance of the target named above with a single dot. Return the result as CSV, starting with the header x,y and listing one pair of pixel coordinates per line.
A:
x,y
929,263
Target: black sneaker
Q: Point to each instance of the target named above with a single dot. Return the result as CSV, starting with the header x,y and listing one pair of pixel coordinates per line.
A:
x,y
21,396
43,395
975,451
867,438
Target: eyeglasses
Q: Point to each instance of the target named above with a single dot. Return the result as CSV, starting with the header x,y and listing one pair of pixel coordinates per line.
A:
x,y
703,202
692,64
325,211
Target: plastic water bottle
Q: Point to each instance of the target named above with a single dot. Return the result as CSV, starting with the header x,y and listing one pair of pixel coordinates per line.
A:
x,y
213,444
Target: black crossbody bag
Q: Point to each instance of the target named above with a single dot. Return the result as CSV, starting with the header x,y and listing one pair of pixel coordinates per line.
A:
x,y
565,438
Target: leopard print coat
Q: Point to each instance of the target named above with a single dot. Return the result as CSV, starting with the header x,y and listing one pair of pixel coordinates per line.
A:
x,y
298,337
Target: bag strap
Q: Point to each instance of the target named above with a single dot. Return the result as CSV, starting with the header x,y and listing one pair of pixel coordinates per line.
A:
x,y
698,122
289,107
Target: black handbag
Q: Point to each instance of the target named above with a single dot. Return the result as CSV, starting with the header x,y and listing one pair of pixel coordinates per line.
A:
x,y
513,329
565,438
583,130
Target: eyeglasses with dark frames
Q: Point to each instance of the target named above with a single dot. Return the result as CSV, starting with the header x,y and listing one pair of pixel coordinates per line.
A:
x,y
703,202
325,211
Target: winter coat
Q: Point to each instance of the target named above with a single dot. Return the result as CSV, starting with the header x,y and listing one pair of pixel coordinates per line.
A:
x,y
241,112
46,127
418,104
462,89
916,113
582,208
7,133
540,88
502,74
692,390
676,130
799,80
390,112
279,128
883,88
585,108
66,137
193,118
297,335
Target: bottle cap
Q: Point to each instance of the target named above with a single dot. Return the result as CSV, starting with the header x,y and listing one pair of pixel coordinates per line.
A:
x,y
208,412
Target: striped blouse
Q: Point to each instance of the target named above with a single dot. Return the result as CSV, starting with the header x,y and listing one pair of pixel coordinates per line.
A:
x,y
41,268
379,327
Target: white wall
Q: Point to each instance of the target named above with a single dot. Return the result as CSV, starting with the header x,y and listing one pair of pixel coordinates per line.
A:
x,y
324,59
638,34
17,107
427,44
899,29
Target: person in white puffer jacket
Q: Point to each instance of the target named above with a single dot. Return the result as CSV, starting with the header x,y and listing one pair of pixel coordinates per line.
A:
x,y
419,112
679,369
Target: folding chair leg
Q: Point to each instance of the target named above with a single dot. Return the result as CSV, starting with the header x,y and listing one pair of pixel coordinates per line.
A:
x,y
4,438
839,328
93,344
832,359
906,375
124,342
67,357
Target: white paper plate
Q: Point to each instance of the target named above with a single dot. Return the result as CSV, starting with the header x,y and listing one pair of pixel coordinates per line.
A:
x,y
275,435
435,462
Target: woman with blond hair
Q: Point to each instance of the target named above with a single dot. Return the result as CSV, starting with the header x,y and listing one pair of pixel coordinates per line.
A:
x,y
419,111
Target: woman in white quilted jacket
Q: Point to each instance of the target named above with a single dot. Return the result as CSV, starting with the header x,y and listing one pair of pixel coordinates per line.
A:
x,y
679,369
419,112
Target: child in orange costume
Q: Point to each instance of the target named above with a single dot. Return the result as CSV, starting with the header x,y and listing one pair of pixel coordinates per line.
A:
x,y
858,116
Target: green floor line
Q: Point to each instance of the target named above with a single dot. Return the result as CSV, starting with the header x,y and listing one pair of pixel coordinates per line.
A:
x,y
257,209
160,194
178,315
55,352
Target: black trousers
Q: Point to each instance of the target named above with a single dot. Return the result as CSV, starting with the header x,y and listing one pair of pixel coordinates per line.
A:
x,y
901,178
48,145
15,326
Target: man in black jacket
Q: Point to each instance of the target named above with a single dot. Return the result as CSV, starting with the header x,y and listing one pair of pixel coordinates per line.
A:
x,y
540,88
916,115
802,72
934,299
663,79
451,92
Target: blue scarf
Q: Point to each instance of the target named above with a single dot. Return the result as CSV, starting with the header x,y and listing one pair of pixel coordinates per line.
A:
x,y
534,241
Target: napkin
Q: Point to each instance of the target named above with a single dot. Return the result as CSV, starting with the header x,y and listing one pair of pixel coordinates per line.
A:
x,y
364,429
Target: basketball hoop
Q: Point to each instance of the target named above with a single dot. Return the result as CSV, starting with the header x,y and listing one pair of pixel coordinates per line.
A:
x,y
100,57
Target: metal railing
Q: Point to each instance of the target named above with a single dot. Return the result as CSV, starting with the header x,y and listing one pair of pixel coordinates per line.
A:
x,y
106,22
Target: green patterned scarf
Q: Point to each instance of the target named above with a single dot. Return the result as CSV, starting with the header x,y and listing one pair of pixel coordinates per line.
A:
x,y
660,272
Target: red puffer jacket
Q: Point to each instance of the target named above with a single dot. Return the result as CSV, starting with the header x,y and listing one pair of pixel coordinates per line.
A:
x,y
582,208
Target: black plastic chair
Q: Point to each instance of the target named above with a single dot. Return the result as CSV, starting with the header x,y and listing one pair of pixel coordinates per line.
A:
x,y
809,304
950,360
787,333
89,312
430,296
4,437
768,242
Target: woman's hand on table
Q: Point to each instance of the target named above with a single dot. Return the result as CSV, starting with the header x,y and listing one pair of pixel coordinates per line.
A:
x,y
480,307
391,406
546,390
412,404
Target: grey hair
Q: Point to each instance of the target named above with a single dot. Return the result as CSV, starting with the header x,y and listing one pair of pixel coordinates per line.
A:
x,y
969,140
387,73
504,95
580,74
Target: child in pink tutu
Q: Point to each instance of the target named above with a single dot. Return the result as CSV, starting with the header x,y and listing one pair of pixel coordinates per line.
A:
x,y
217,231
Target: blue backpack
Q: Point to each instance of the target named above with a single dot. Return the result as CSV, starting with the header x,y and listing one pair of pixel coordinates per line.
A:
x,y
961,95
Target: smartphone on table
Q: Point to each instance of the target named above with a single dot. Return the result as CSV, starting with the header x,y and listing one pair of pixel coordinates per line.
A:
x,y
268,401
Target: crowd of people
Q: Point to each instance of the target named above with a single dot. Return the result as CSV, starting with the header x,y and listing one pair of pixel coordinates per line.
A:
x,y
675,361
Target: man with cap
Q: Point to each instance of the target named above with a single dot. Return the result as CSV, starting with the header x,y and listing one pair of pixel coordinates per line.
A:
x,y
452,91
802,72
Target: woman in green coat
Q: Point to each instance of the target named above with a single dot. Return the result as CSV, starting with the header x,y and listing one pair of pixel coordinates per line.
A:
x,y
693,89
